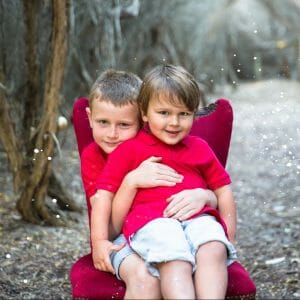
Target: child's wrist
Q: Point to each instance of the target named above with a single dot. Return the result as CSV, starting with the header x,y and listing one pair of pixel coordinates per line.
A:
x,y
97,240
130,180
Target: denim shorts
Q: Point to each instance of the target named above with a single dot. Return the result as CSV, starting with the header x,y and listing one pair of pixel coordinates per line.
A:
x,y
117,257
167,239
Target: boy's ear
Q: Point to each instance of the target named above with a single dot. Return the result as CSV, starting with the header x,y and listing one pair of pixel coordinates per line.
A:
x,y
144,118
89,114
143,115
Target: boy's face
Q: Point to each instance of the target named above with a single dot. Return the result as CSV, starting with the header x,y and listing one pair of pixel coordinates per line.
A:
x,y
112,125
168,122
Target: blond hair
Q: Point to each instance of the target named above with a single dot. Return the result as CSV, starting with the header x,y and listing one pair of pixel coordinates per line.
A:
x,y
115,86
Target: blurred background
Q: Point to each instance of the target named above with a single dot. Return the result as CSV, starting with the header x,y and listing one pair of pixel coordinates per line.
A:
x,y
219,41
51,51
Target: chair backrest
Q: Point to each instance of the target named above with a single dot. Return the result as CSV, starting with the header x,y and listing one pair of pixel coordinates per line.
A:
x,y
214,124
83,131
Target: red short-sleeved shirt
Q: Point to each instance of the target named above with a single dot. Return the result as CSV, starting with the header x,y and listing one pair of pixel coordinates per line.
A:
x,y
93,160
192,158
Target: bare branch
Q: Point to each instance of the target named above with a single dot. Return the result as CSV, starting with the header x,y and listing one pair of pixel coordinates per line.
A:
x,y
3,87
85,75
132,10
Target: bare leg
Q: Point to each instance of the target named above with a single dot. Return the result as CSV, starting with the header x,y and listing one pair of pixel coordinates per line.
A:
x,y
211,273
140,284
176,280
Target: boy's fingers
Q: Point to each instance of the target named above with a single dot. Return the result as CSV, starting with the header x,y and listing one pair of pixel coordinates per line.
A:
x,y
154,159
170,176
175,205
108,266
118,247
182,216
170,199
165,168
101,266
104,264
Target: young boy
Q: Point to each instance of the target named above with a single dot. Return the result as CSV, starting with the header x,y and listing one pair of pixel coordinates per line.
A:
x,y
168,100
114,117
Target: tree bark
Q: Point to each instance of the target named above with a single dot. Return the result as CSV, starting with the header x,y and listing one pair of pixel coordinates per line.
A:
x,y
32,90
31,203
9,139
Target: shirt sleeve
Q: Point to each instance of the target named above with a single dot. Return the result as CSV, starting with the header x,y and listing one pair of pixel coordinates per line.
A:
x,y
92,164
213,171
118,165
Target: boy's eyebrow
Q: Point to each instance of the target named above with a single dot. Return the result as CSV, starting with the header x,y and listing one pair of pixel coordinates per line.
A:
x,y
118,121
167,108
126,121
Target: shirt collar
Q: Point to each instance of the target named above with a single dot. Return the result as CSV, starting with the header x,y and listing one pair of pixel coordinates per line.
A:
x,y
150,139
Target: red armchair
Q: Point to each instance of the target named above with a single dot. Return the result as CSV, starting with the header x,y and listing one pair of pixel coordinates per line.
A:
x,y
214,124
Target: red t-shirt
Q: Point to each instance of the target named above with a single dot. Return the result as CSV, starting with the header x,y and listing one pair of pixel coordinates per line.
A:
x,y
192,158
93,160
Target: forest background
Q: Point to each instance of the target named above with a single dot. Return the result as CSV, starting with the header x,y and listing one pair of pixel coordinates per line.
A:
x,y
51,51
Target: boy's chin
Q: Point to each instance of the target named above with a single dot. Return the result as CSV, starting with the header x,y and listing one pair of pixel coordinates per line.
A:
x,y
108,149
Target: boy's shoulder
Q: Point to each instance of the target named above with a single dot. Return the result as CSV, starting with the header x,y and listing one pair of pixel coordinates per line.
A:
x,y
136,140
195,140
92,151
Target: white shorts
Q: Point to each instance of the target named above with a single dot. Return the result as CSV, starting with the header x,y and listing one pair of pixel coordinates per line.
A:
x,y
167,239
117,257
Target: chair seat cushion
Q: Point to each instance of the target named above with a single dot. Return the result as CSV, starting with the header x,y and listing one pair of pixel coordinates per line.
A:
x,y
240,284
89,283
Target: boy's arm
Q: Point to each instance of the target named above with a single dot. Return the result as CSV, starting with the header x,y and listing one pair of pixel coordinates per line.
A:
x,y
150,173
100,218
122,203
227,209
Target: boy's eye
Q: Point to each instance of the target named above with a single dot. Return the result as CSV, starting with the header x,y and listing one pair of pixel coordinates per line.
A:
x,y
124,125
163,112
185,113
102,122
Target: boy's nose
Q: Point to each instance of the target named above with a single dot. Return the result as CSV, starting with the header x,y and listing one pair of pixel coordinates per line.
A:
x,y
112,132
174,120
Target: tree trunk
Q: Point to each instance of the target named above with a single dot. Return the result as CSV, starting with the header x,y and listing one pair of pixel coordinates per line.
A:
x,y
35,178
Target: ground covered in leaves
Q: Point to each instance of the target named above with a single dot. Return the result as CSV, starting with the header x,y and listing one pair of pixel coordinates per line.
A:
x,y
265,168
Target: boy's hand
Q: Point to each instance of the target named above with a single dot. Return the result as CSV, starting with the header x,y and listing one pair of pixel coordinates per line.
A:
x,y
101,252
186,203
151,173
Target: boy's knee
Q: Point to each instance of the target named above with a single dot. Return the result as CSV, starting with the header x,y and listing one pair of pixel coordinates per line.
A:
x,y
142,275
138,275
215,250
142,285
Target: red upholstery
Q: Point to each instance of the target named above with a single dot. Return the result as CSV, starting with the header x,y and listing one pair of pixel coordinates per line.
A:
x,y
214,124
81,124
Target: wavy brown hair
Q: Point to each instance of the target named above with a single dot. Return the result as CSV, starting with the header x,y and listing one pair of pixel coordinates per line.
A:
x,y
175,82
